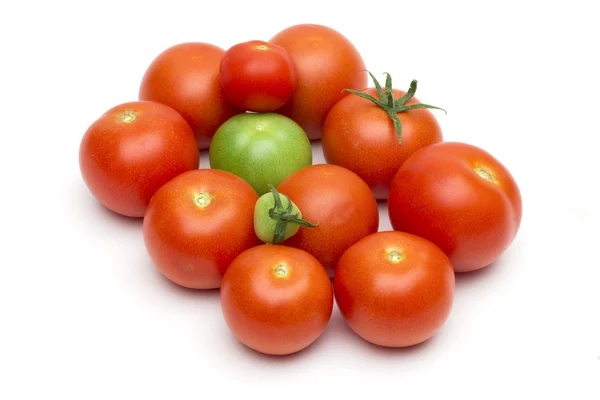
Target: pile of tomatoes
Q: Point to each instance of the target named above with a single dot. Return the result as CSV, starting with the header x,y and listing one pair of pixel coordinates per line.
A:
x,y
269,228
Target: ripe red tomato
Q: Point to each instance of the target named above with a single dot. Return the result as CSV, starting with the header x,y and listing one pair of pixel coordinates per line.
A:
x,y
326,63
394,289
186,77
461,198
276,299
131,151
197,224
339,202
360,136
257,76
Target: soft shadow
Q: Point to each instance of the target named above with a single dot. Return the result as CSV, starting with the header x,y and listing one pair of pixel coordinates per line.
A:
x,y
174,289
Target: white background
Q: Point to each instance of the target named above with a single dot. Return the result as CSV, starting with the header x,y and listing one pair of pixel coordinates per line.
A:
x,y
86,316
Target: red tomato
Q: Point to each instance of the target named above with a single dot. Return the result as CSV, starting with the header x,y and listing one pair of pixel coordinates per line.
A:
x,y
360,136
257,76
339,202
186,77
276,299
461,198
326,63
131,151
197,224
394,289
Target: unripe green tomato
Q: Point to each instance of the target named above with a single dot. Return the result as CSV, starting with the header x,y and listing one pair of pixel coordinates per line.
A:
x,y
261,148
264,225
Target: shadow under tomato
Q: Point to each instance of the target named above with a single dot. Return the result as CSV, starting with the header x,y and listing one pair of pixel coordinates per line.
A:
x,y
503,265
174,289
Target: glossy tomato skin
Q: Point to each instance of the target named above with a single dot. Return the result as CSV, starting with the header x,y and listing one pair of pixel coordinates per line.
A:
x,y
257,76
131,151
186,77
459,197
394,289
338,201
326,63
197,224
360,136
276,299
262,148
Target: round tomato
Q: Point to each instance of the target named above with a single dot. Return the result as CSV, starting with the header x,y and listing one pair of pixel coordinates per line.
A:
x,y
186,77
276,299
359,135
461,198
339,202
261,148
326,62
394,289
257,76
131,151
197,224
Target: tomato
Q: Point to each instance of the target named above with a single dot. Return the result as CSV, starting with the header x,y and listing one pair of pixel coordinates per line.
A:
x,y
394,289
257,76
197,224
261,148
359,135
131,151
276,299
277,218
461,198
326,62
336,200
186,77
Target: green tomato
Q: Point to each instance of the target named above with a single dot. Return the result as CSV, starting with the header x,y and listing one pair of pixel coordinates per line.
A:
x,y
261,148
264,225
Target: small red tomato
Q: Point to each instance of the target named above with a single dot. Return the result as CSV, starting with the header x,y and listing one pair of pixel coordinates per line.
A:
x,y
197,224
461,198
339,202
276,299
131,151
257,76
394,289
186,77
360,135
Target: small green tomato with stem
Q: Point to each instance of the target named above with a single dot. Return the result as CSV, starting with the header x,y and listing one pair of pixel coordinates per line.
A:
x,y
277,218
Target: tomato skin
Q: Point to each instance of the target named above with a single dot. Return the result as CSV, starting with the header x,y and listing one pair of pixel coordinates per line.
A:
x,y
339,202
326,63
360,136
394,304
257,76
131,151
191,244
438,194
276,314
186,77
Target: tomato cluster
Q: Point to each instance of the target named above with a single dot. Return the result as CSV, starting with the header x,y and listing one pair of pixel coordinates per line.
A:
x,y
282,238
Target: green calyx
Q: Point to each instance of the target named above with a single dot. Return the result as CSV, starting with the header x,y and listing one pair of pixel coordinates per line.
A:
x,y
389,104
284,216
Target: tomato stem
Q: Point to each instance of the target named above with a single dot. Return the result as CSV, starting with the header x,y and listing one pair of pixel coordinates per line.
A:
x,y
390,105
283,216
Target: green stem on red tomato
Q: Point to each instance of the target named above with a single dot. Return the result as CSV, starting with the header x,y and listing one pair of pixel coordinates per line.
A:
x,y
283,216
390,105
